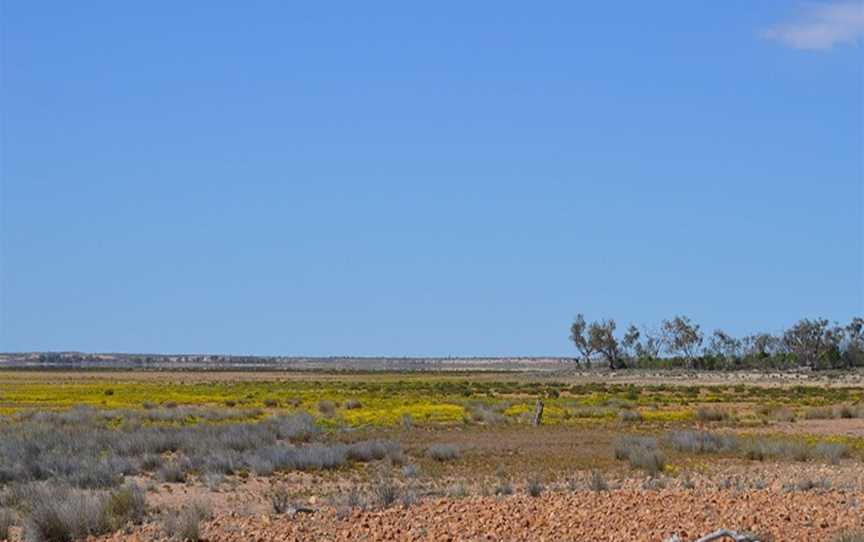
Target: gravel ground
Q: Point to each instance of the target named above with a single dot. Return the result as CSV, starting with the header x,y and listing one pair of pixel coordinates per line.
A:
x,y
631,515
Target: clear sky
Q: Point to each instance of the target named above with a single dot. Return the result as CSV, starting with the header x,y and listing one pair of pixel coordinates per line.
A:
x,y
423,178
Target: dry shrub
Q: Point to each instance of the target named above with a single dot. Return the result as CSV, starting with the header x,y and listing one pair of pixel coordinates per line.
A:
x,y
385,493
443,452
127,505
642,452
702,442
185,524
58,515
597,482
173,472
327,408
479,412
533,487
503,488
280,499
851,536
8,519
783,415
709,414
406,421
819,413
630,416
836,411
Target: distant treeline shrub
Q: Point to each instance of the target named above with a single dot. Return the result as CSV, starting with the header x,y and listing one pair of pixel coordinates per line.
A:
x,y
681,343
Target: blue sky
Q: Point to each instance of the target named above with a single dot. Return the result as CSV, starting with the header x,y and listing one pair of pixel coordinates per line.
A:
x,y
403,178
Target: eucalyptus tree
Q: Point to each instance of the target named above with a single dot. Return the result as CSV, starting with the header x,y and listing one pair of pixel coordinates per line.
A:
x,y
579,337
682,337
651,344
812,341
601,336
630,342
724,345
853,347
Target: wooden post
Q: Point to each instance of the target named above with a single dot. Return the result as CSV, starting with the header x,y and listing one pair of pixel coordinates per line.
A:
x,y
538,413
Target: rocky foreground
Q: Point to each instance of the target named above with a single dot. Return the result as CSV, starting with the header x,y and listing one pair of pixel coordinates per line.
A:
x,y
624,515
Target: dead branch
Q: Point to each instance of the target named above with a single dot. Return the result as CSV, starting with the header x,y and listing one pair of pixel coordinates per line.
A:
x,y
719,535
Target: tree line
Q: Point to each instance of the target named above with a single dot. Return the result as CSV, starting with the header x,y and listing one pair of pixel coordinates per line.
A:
x,y
679,342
